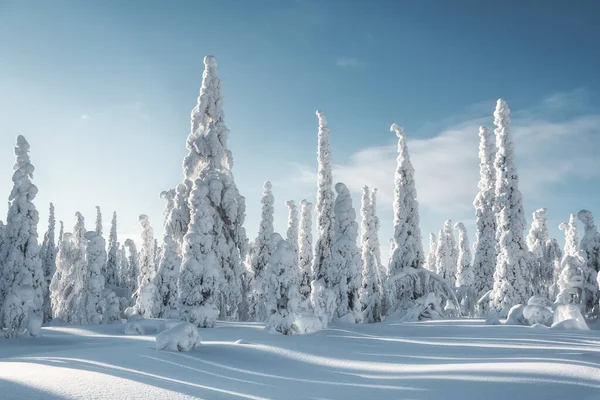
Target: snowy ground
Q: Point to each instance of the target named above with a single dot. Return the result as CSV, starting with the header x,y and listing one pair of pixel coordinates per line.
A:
x,y
429,360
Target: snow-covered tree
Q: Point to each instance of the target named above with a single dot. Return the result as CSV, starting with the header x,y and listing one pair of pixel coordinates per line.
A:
x,y
406,249
322,291
553,258
346,255
305,251
178,219
169,197
370,289
430,264
590,244
48,256
541,269
90,302
131,273
447,255
200,272
260,254
112,263
510,285
484,262
210,160
571,236
293,228
22,284
98,221
61,231
464,272
282,294
166,279
571,282
538,234
147,293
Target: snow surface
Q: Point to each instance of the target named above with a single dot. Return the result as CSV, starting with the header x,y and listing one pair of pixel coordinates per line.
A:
x,y
462,359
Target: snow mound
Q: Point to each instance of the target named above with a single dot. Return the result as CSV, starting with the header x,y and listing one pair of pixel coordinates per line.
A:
x,y
242,341
537,315
542,326
515,316
492,320
182,337
539,301
568,316
346,319
425,307
308,323
141,326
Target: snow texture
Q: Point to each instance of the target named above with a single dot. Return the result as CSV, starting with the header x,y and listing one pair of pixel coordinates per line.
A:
x,y
510,285
182,337
371,288
48,256
305,253
484,262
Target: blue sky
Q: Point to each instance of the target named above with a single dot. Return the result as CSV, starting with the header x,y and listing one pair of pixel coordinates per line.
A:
x,y
103,92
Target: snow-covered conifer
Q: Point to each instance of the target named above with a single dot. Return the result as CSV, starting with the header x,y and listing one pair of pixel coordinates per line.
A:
x,y
22,284
61,231
90,302
98,221
538,234
571,236
292,228
406,249
447,255
260,254
131,274
166,279
147,292
305,251
178,219
553,256
169,197
346,255
464,272
112,264
431,256
369,293
484,262
48,255
200,272
282,295
322,292
540,276
590,244
510,285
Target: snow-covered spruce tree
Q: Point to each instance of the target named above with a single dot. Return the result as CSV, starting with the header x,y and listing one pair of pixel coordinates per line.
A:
x,y
346,255
169,197
22,286
132,271
571,282
90,304
64,262
510,285
48,255
369,293
178,219
406,248
430,264
464,272
260,254
166,279
382,271
282,294
571,236
541,274
590,244
305,253
147,293
293,228
200,272
323,294
484,262
210,160
61,231
553,256
111,273
98,221
447,255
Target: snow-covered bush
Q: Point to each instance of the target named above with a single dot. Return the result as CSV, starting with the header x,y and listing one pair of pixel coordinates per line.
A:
x,y
182,337
515,315
568,316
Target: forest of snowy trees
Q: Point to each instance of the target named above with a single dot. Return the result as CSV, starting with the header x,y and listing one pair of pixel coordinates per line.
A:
x,y
205,268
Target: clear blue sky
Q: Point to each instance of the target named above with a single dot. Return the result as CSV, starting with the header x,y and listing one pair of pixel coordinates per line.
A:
x,y
103,92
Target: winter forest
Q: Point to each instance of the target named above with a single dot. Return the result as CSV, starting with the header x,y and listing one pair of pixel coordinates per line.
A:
x,y
205,269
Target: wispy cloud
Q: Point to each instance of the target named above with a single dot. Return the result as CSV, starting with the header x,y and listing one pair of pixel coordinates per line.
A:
x,y
84,117
350,62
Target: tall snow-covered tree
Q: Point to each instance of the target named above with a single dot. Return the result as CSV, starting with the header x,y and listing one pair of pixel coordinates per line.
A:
x,y
260,254
169,197
447,255
282,294
131,274
540,276
430,264
406,249
200,273
322,291
375,246
112,263
370,290
484,262
464,272
553,256
178,219
346,255
147,293
538,234
22,284
510,285
211,161
60,287
48,256
61,231
305,251
293,228
571,236
590,244
98,221
90,302
166,279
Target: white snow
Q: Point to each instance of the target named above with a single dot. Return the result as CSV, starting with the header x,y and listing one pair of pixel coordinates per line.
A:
x,y
440,359
182,337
